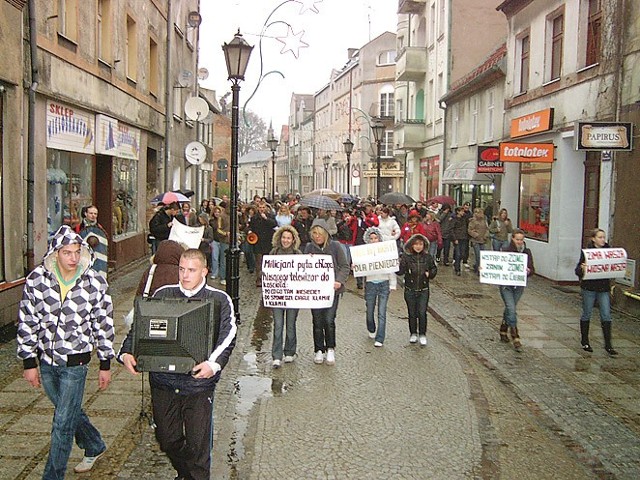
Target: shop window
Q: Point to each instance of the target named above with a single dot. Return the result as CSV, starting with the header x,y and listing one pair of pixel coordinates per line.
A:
x,y
535,194
125,209
69,187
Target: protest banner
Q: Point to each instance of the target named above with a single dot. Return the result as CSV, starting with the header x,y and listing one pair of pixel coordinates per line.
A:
x,y
503,268
375,258
181,233
604,263
297,281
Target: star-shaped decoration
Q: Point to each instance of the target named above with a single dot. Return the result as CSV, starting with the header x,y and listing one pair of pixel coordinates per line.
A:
x,y
292,42
308,5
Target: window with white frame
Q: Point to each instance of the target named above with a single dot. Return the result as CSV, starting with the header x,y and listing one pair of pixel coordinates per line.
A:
x,y
132,49
490,118
522,67
399,110
473,119
387,102
455,119
554,46
386,147
388,57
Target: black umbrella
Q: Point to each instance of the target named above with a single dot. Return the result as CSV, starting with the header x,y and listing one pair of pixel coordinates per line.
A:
x,y
393,198
320,201
186,193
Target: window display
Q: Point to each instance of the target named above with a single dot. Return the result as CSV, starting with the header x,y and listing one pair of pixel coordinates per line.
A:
x,y
535,194
125,211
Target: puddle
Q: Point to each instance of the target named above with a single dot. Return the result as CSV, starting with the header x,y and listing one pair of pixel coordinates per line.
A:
x,y
261,327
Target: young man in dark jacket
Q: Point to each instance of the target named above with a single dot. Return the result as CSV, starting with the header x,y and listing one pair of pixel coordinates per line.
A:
x,y
460,238
161,223
183,403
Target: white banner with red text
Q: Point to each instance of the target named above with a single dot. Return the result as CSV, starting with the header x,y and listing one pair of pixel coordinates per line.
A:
x,y
604,263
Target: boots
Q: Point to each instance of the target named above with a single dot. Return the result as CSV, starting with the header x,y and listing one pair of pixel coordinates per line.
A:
x,y
504,328
606,332
584,335
515,337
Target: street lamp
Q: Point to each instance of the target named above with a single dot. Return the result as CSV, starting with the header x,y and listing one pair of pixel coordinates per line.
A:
x,y
273,145
378,129
264,181
325,162
236,54
348,149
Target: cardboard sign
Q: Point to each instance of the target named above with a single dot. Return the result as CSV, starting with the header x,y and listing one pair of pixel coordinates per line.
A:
x,y
375,258
604,263
297,281
190,236
503,268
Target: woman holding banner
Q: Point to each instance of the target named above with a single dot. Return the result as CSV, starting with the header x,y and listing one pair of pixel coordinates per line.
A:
x,y
286,241
324,319
511,294
592,290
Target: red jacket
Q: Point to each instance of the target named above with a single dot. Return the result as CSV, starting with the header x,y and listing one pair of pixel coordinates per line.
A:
x,y
409,229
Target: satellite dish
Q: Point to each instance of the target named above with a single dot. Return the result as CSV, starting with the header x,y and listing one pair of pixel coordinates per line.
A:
x,y
203,73
195,153
208,120
196,109
185,79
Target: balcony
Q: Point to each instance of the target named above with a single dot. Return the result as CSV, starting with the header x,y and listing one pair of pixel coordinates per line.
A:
x,y
415,7
411,64
409,134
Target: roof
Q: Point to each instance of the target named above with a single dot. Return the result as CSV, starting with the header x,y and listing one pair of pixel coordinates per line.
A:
x,y
255,156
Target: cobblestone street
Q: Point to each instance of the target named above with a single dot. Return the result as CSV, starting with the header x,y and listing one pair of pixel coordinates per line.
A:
x,y
465,406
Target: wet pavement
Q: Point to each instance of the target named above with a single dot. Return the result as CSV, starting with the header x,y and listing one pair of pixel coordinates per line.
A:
x,y
466,406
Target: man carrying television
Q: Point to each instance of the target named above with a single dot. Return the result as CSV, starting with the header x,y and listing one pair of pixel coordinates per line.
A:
x,y
183,403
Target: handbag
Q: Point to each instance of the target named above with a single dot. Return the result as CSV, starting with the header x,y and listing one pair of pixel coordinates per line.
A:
x,y
128,318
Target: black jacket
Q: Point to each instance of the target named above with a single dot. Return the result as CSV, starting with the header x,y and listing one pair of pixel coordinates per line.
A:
x,y
264,228
414,265
159,225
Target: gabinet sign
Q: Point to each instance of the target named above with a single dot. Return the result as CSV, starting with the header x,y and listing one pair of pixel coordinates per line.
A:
x,y
526,152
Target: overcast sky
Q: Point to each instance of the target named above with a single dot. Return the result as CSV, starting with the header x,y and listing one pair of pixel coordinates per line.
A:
x,y
338,25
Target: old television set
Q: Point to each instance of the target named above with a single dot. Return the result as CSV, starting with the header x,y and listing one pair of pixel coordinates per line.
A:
x,y
172,335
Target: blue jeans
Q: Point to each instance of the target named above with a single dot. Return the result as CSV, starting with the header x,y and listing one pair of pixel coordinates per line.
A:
x,y
498,245
510,296
290,342
215,259
249,256
65,388
324,326
433,248
589,300
477,248
377,292
417,303
457,255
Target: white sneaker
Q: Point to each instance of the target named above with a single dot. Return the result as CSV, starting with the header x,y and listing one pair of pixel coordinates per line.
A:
x,y
319,358
223,282
423,340
466,265
372,334
377,344
87,463
276,363
331,356
288,359
413,338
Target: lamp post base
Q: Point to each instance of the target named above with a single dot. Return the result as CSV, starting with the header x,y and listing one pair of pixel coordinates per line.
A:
x,y
233,279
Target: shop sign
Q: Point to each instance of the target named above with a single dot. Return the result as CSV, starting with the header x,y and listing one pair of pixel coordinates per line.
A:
x,y
116,138
488,160
604,136
526,152
383,173
537,122
69,128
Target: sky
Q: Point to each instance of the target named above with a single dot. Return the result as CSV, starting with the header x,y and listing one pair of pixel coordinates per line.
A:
x,y
336,26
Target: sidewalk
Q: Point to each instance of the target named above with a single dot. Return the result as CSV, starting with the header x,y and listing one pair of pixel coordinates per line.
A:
x,y
590,399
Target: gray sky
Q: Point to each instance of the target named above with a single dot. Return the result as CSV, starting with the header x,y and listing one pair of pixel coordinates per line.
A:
x,y
337,26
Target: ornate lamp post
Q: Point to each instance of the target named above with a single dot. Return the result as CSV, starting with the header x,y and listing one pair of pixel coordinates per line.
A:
x,y
273,145
348,149
378,129
264,180
236,54
325,162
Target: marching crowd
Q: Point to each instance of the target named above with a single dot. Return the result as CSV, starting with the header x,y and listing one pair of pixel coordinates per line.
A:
x,y
66,312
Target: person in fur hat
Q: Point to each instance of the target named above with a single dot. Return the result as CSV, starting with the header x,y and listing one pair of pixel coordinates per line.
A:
x,y
418,267
286,241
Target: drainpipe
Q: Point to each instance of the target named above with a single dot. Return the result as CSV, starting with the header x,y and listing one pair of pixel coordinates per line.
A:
x,y
31,127
168,102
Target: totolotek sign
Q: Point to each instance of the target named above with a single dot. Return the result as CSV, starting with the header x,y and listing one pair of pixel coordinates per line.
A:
x,y
526,152
603,136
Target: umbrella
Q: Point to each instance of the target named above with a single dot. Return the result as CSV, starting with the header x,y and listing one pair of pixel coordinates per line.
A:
x,y
442,200
346,198
324,192
169,197
186,193
320,201
393,198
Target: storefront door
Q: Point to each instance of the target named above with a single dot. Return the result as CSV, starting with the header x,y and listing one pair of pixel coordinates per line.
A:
x,y
591,194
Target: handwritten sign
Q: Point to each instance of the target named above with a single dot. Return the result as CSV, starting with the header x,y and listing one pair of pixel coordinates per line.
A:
x,y
181,233
375,258
605,263
503,268
297,281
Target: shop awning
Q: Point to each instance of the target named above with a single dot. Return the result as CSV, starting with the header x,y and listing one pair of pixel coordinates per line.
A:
x,y
465,172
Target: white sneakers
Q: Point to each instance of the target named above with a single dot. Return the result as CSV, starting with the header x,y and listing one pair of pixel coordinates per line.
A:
x,y
288,359
377,344
331,356
276,363
87,463
413,338
372,335
423,340
319,357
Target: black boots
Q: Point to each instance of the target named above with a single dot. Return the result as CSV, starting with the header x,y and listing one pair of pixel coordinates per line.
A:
x,y
504,328
584,336
606,332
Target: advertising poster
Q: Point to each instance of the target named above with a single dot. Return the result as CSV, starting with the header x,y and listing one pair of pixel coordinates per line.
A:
x,y
375,258
297,281
503,268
